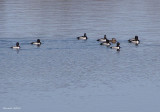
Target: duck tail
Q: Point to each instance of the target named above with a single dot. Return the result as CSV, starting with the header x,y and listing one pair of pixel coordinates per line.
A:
x,y
129,41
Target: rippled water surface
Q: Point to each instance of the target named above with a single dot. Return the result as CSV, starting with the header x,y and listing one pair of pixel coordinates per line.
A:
x,y
69,75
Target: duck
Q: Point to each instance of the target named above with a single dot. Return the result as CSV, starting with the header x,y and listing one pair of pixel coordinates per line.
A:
x,y
113,40
134,40
107,43
37,43
116,47
82,37
17,46
102,39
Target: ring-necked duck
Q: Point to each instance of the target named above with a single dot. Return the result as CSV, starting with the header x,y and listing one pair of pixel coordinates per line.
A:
x,y
17,46
113,40
116,47
134,40
37,43
103,39
82,37
106,43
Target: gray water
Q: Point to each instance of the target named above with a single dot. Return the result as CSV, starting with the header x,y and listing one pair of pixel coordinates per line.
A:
x,y
69,75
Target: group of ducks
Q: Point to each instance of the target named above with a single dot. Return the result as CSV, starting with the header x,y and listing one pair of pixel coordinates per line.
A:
x,y
104,41
108,42
38,43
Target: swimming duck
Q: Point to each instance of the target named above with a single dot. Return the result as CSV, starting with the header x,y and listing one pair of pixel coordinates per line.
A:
x,y
82,37
103,39
17,46
37,43
113,40
134,40
106,43
116,47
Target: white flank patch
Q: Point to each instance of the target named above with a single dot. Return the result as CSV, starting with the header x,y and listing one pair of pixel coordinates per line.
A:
x,y
35,43
115,47
135,42
82,38
15,47
107,44
102,40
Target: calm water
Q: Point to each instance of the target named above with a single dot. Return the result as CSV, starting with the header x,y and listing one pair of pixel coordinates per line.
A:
x,y
69,75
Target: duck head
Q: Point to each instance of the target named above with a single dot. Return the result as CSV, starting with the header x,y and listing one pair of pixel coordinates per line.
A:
x,y
105,37
17,44
136,38
118,44
38,40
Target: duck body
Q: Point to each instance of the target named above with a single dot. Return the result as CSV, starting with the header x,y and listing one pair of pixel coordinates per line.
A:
x,y
130,40
102,39
82,37
36,43
17,46
116,47
134,40
107,43
113,40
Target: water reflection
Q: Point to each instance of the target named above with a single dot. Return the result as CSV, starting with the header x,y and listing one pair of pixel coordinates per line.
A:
x,y
17,50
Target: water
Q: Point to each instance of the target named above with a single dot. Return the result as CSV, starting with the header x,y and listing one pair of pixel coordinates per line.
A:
x,y
69,75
